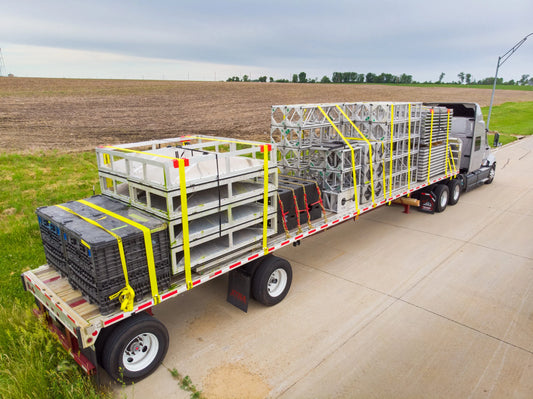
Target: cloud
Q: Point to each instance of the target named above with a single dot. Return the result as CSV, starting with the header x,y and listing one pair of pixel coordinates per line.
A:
x,y
415,37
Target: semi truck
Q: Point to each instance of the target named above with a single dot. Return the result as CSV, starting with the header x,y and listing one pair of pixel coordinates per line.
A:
x,y
177,213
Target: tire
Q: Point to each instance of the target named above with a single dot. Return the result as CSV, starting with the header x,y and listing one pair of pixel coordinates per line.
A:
x,y
272,280
454,186
492,174
442,192
135,348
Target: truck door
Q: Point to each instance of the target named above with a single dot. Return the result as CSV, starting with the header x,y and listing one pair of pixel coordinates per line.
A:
x,y
480,146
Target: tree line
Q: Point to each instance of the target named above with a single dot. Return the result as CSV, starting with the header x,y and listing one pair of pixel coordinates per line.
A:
x,y
354,77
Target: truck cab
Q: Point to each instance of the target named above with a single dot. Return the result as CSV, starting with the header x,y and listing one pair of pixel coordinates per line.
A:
x,y
478,164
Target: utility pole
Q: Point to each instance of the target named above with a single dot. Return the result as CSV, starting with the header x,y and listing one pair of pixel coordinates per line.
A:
x,y
3,70
501,60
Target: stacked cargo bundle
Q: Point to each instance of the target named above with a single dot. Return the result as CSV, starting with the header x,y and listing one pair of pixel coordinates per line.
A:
x,y
222,209
83,240
370,147
436,127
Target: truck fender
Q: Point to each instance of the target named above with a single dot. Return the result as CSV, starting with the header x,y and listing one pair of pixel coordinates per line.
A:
x,y
491,160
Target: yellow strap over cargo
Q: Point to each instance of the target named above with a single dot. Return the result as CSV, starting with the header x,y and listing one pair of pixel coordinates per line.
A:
x,y
265,197
409,152
147,243
371,165
185,225
126,295
430,141
391,148
353,159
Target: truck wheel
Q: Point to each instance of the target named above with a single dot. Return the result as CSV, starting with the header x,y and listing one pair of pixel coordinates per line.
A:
x,y
455,191
272,280
135,348
492,173
442,193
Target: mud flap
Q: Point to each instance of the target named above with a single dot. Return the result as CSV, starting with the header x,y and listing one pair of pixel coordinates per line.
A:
x,y
239,286
428,201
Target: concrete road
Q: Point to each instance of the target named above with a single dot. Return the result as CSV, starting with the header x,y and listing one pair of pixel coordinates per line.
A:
x,y
390,306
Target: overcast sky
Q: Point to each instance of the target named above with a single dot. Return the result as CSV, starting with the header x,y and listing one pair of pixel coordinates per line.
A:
x,y
214,39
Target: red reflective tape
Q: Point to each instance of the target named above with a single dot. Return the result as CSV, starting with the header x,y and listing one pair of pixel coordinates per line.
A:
x,y
435,180
417,187
146,305
324,226
298,237
335,221
253,257
176,162
397,196
311,231
267,146
216,274
95,333
169,294
59,307
116,318
235,265
411,190
77,303
72,320
404,193
271,249
52,279
285,242
196,282
46,295
366,209
29,279
382,202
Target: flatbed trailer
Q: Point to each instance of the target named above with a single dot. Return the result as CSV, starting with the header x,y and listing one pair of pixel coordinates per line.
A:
x,y
132,336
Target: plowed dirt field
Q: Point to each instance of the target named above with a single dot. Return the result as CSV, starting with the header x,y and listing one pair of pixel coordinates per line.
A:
x,y
73,115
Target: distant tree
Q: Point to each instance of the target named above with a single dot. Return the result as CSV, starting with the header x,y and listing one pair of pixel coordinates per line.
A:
x,y
371,77
524,80
406,79
234,79
262,78
282,80
245,78
360,78
510,83
294,78
468,78
336,77
325,79
441,76
271,79
302,77
461,77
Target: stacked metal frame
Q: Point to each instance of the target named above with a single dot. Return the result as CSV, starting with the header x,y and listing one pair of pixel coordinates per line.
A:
x,y
217,195
368,147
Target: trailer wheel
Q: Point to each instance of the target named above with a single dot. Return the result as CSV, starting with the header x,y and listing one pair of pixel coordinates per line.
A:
x,y
135,348
272,280
455,191
492,173
442,192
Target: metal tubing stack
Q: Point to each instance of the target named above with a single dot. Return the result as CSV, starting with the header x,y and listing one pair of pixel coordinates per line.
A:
x,y
370,147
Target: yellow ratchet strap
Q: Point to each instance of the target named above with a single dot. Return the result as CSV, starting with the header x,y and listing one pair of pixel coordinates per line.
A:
x,y
430,140
265,197
353,158
185,225
384,178
126,295
147,243
135,152
409,152
391,147
369,154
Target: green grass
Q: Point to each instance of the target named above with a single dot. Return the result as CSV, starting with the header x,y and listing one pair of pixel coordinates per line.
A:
x,y
510,120
32,362
498,87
